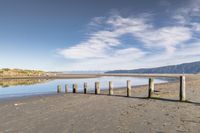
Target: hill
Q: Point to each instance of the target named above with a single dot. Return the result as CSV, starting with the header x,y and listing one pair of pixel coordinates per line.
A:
x,y
5,72
187,68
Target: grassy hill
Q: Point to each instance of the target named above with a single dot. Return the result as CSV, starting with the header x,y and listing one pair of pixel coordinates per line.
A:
x,y
5,72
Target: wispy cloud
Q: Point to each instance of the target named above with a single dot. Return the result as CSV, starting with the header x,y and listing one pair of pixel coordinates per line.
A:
x,y
189,14
105,50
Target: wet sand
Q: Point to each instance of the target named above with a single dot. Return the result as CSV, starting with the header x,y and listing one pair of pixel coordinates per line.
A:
x,y
89,113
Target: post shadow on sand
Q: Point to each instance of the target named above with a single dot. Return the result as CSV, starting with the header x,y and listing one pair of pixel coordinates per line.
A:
x,y
141,98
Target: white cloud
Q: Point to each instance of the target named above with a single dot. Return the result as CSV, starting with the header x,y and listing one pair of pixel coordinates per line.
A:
x,y
186,14
104,50
167,37
196,26
132,58
96,21
180,18
188,53
99,43
121,59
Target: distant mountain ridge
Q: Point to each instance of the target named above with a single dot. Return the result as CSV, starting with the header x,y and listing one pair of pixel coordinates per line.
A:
x,y
187,68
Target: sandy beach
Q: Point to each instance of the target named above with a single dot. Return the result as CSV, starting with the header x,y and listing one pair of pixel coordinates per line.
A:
x,y
89,113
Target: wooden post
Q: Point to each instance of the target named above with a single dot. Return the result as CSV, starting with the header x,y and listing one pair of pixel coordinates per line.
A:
x,y
85,88
182,89
151,87
66,88
97,88
59,89
128,88
110,88
75,88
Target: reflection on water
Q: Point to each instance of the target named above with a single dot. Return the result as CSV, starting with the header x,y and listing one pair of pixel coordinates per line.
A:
x,y
26,87
15,82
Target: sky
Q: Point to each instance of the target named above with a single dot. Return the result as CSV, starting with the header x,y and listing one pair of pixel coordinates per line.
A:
x,y
89,35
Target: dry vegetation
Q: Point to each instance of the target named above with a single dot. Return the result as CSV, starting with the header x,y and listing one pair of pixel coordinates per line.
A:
x,y
5,72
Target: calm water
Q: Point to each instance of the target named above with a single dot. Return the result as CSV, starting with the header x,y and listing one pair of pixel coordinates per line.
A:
x,y
17,88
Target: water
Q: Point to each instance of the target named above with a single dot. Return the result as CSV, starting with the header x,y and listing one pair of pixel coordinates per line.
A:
x,y
27,87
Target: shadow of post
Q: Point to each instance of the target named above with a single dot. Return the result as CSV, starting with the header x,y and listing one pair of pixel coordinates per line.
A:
x,y
144,98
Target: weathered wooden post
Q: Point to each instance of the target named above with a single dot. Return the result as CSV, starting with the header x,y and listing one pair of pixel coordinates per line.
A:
x,y
110,88
59,89
75,88
97,88
151,87
182,93
66,88
128,88
85,88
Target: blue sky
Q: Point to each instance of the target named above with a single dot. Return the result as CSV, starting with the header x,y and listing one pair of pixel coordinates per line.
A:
x,y
65,35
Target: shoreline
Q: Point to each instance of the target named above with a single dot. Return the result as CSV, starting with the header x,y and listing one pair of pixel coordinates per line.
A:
x,y
103,90
103,113
66,76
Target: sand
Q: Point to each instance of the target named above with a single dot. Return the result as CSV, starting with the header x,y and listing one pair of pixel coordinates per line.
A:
x,y
89,113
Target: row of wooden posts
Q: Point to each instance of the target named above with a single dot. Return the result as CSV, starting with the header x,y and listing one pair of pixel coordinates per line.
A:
x,y
182,94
